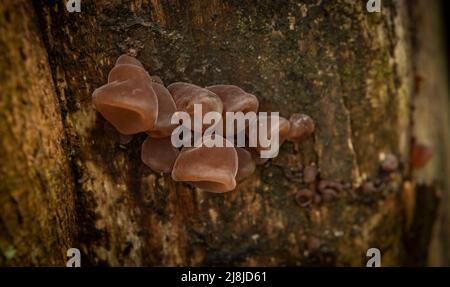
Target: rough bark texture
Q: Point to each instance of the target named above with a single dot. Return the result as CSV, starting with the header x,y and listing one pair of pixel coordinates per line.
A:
x,y
66,181
37,218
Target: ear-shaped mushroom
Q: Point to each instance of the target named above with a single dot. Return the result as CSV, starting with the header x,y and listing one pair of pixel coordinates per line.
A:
x,y
187,95
235,99
301,127
282,129
125,59
126,72
166,108
246,164
128,101
130,106
210,168
159,154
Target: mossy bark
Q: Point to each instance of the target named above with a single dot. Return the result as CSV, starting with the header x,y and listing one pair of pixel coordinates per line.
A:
x,y
351,71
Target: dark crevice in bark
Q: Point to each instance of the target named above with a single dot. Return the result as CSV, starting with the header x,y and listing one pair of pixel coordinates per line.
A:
x,y
446,24
418,237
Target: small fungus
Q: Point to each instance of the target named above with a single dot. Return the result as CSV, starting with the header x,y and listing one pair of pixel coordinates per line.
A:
x,y
310,173
159,154
304,197
166,108
301,126
390,163
246,164
125,59
187,95
235,99
282,129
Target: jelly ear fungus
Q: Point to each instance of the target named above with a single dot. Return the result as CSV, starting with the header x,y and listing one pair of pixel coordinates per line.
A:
x,y
134,102
128,100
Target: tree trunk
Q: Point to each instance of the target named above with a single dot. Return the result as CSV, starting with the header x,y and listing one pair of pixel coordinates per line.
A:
x,y
37,203
67,181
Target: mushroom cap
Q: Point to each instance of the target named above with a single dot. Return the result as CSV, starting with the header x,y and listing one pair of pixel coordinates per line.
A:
x,y
210,168
301,126
125,59
310,173
166,108
159,154
125,72
390,163
246,164
282,128
187,95
131,106
235,99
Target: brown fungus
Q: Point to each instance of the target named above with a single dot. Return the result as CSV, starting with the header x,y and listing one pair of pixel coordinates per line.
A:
x,y
328,194
282,129
235,99
330,184
128,100
130,106
125,59
187,95
246,164
133,101
389,163
166,108
302,126
213,169
126,72
304,197
159,154
368,187
310,173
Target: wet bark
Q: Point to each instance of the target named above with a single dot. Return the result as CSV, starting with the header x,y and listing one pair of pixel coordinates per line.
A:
x,y
67,181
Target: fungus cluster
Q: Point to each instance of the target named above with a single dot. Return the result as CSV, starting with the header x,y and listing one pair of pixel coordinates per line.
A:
x,y
134,102
317,190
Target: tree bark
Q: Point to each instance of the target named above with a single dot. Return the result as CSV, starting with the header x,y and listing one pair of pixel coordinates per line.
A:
x,y
37,203
67,181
